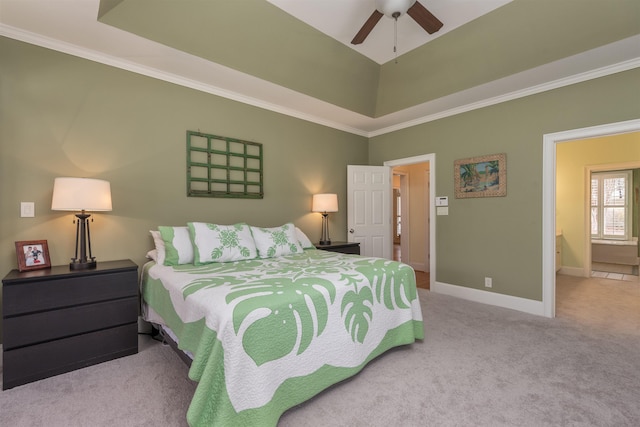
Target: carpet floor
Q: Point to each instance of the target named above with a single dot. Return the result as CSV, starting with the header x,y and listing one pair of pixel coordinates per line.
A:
x,y
479,365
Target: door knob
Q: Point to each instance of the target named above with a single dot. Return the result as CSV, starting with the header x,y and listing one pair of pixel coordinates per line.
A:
x,y
351,230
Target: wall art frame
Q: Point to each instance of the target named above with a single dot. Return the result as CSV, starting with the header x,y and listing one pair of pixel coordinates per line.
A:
x,y
33,255
481,176
219,166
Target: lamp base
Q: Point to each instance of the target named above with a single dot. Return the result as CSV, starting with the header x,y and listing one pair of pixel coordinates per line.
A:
x,y
77,265
325,240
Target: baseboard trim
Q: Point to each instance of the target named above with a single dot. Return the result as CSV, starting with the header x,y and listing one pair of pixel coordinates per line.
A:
x,y
419,266
572,271
490,298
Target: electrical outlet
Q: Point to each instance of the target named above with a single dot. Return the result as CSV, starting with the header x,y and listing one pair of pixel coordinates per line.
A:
x,y
488,282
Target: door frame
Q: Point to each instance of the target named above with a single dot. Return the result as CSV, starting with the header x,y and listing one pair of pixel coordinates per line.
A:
x,y
431,159
549,142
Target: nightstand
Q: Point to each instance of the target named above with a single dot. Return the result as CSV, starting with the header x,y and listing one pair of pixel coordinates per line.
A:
x,y
342,247
57,320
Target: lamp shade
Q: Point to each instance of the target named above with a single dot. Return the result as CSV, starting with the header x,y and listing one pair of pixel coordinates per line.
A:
x,y
389,7
327,202
76,194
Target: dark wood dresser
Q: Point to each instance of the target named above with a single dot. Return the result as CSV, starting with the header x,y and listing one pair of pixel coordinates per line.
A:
x,y
342,247
57,320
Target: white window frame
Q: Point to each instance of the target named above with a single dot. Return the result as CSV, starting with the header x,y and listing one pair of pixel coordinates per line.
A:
x,y
600,176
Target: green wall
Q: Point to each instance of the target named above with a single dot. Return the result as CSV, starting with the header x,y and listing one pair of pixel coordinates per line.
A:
x,y
65,116
502,237
256,37
572,159
524,34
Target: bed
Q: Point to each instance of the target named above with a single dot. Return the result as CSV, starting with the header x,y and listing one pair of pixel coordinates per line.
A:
x,y
269,332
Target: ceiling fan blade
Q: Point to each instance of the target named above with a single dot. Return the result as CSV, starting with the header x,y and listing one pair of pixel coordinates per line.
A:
x,y
367,27
424,18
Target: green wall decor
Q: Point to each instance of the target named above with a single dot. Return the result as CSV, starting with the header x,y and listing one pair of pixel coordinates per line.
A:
x,y
218,166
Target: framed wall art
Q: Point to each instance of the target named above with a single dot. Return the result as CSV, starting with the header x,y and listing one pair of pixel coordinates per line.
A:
x,y
33,255
483,176
218,166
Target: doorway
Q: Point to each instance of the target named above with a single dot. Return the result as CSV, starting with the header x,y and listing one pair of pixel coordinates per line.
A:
x,y
550,142
400,206
417,224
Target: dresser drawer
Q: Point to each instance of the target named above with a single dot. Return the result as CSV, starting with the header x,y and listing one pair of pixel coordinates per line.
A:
x,y
341,247
49,325
350,250
35,362
32,297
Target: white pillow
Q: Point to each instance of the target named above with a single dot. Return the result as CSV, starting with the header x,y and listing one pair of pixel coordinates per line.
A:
x,y
221,243
153,255
303,239
277,241
177,245
159,243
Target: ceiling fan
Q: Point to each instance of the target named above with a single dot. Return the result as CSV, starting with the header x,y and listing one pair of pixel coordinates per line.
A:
x,y
394,9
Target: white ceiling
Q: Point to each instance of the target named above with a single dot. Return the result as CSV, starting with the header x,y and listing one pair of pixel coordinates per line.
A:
x,y
341,19
71,26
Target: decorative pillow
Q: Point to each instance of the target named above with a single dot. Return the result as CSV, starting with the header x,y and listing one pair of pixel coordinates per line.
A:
x,y
177,245
159,243
221,243
303,239
272,242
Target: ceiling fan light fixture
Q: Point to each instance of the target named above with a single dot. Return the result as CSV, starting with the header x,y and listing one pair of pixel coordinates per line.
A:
x,y
394,8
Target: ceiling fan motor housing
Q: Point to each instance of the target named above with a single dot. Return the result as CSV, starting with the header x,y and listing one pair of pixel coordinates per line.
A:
x,y
394,8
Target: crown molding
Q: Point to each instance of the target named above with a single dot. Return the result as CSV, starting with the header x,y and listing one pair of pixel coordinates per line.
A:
x,y
510,96
156,73
619,56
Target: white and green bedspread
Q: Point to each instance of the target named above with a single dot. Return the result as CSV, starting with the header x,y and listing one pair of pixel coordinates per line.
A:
x,y
268,334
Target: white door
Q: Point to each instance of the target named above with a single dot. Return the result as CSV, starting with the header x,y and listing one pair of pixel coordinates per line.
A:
x,y
369,209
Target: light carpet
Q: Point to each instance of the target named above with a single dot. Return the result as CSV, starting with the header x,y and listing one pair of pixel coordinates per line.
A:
x,y
479,365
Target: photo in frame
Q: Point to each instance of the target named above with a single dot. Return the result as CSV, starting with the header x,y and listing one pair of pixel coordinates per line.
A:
x,y
33,255
483,176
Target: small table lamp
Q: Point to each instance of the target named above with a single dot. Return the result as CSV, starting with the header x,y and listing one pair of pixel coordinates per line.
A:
x,y
325,203
81,194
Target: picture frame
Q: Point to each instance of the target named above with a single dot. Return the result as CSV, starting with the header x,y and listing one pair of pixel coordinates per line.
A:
x,y
33,255
482,176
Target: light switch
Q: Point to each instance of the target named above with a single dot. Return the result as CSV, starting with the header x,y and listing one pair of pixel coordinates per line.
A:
x,y
27,209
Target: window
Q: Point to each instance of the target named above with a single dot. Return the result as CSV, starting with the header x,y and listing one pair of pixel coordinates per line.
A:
x,y
610,205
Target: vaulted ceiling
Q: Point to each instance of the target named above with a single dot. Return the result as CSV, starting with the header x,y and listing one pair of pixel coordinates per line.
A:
x,y
341,19
258,52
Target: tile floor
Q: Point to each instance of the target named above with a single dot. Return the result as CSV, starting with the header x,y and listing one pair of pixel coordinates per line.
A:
x,y
614,276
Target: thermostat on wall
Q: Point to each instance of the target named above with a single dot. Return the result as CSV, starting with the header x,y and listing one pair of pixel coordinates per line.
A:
x,y
442,201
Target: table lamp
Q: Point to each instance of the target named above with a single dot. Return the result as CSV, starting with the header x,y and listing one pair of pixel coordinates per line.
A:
x,y
325,203
81,194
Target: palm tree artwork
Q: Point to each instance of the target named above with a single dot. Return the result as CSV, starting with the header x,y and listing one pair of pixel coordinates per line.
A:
x,y
480,177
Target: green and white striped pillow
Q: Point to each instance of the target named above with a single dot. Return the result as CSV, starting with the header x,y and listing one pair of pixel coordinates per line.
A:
x,y
178,248
304,240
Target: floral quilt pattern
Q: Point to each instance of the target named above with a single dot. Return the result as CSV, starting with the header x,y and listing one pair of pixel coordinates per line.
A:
x,y
289,316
